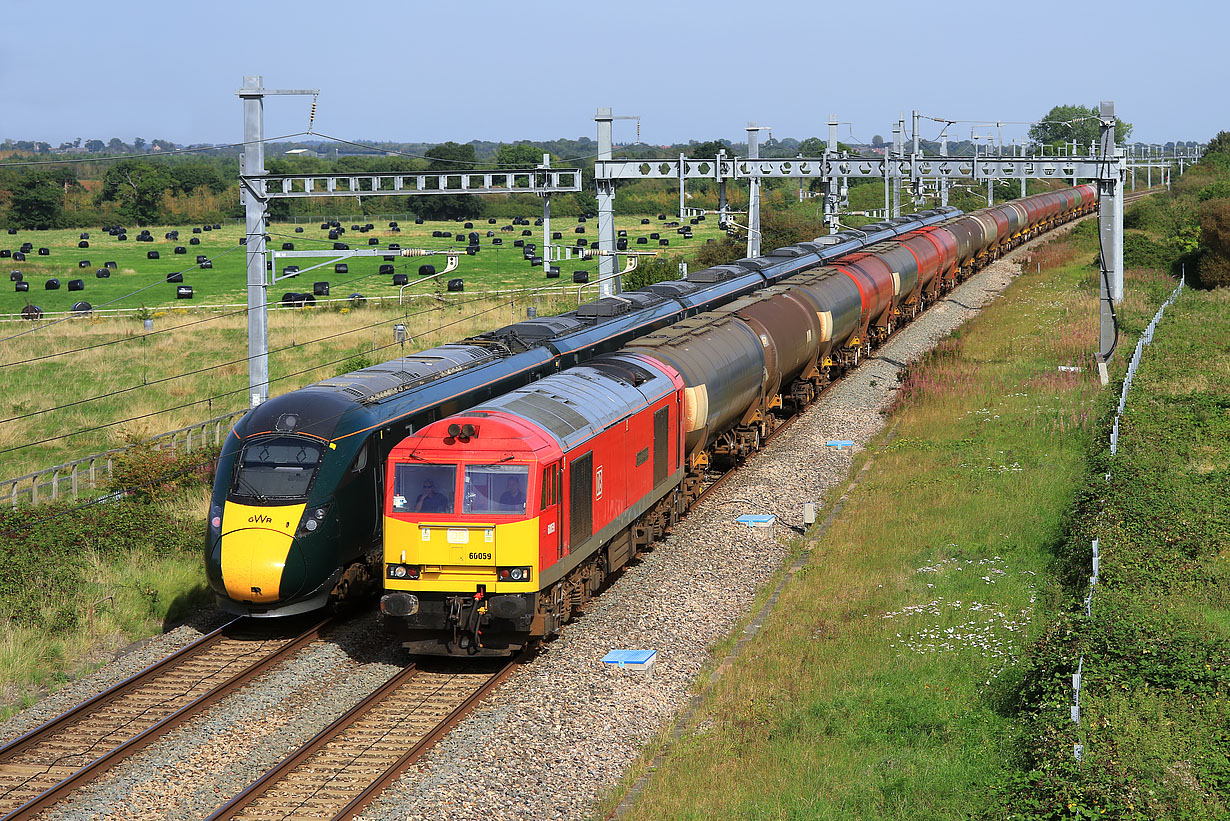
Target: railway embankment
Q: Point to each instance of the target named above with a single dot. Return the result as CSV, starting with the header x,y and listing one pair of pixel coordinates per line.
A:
x,y
919,663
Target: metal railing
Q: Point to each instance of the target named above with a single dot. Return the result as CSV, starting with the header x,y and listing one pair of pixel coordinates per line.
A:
x,y
86,476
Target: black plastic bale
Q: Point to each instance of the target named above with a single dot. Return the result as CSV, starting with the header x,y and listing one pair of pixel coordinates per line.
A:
x,y
196,230
497,241
395,230
701,218
460,237
76,285
5,253
84,235
333,235
320,288
290,270
52,284
580,276
694,221
183,292
557,235
110,264
388,257
621,233
206,264
553,272
83,244
299,229
175,277
683,231
472,237
471,250
527,233
171,235
580,219
661,216
580,229
31,312
393,246
201,258
197,241
83,263
582,243
290,298
324,226
393,224
664,242
535,262
468,225
368,227
491,220
19,256
642,241
341,268
386,269
208,227
400,279
102,273
151,255
288,246
179,249
81,308
340,246
418,220
16,276
27,247
12,231
655,235
456,285
373,240
354,228
490,234
644,222
44,252
357,300
621,244
518,243
22,287
217,226
427,270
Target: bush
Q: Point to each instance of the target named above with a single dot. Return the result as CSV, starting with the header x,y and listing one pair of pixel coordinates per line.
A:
x,y
650,270
1214,262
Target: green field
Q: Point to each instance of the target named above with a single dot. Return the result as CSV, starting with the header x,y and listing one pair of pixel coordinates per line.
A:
x,y
138,281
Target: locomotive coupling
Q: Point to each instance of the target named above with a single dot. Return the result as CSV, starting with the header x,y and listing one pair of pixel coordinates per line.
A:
x,y
399,604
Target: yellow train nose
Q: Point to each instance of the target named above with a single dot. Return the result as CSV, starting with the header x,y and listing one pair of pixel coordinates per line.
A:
x,y
253,564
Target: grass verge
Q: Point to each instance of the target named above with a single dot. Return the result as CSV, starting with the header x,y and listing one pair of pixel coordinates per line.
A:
x,y
885,682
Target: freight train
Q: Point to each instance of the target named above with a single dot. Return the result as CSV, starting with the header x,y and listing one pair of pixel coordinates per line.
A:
x,y
502,519
295,518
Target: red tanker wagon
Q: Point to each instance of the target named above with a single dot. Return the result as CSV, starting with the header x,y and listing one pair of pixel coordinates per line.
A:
x,y
498,520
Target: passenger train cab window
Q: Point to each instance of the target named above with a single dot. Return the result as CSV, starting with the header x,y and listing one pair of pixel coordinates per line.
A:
x,y
424,488
550,482
496,489
276,467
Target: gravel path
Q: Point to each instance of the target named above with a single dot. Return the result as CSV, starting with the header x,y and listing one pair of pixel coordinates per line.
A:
x,y
560,733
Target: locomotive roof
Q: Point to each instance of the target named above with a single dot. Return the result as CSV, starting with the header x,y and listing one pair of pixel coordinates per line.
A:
x,y
581,401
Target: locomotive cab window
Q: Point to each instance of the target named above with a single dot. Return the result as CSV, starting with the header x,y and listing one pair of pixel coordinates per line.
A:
x,y
276,467
496,489
424,488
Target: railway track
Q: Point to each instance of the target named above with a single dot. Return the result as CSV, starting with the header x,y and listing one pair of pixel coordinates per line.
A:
x,y
53,760
352,760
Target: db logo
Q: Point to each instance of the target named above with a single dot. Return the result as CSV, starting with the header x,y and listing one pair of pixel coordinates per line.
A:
x,y
598,483
260,519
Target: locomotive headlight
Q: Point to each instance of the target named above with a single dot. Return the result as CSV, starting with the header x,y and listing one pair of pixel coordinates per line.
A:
x,y
215,518
311,521
513,574
405,572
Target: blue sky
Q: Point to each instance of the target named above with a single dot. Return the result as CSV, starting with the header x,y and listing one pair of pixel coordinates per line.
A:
x,y
413,71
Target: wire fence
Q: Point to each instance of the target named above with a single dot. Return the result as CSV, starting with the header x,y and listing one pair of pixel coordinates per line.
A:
x,y
88,475
1146,338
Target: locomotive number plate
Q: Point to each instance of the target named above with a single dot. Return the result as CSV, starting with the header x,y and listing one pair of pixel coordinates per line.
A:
x,y
458,536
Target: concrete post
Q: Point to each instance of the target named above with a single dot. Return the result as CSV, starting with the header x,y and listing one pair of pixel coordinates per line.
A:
x,y
609,283
254,219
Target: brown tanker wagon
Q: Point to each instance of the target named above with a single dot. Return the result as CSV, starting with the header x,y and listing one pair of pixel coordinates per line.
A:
x,y
789,330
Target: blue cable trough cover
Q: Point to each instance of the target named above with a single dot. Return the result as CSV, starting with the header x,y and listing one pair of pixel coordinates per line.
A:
x,y
759,520
631,659
840,443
